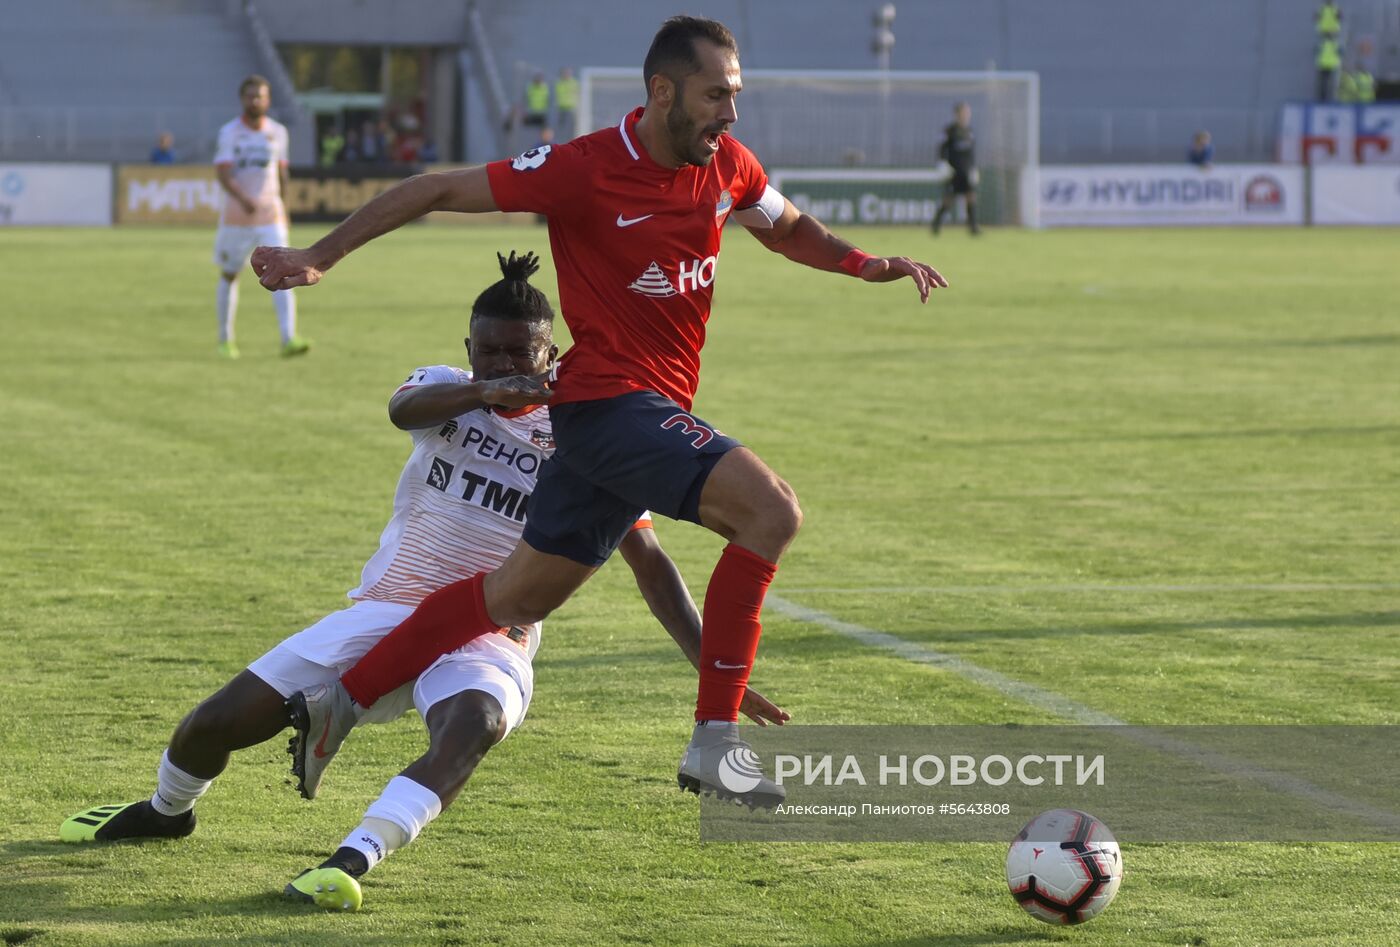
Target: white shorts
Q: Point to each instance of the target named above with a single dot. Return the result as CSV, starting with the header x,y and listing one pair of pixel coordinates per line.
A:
x,y
233,246
491,664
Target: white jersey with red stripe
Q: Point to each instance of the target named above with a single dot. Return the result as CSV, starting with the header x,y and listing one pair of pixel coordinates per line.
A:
x,y
256,156
460,504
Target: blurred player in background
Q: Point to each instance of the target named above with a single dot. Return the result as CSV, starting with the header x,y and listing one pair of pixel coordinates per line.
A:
x,y
957,151
251,161
636,215
479,438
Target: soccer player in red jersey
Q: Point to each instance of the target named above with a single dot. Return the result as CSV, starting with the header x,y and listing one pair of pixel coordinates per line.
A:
x,y
636,213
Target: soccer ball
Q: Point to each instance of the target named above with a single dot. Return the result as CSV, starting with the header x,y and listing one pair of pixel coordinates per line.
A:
x,y
1064,867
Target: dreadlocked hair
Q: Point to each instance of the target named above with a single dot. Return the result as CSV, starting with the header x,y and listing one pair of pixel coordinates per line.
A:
x,y
513,297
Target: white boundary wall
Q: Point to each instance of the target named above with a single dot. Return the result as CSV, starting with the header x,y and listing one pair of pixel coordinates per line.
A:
x,y
1359,196
1148,195
48,194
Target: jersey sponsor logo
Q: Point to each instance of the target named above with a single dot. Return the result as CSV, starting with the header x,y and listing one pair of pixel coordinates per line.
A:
x,y
496,450
495,496
440,474
726,201
532,159
653,282
252,156
627,222
691,276
480,489
699,274
698,433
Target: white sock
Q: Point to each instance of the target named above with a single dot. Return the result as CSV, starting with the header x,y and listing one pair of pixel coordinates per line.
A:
x,y
376,840
286,304
227,298
176,790
394,819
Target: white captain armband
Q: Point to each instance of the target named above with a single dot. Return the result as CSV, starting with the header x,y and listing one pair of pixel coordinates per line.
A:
x,y
765,213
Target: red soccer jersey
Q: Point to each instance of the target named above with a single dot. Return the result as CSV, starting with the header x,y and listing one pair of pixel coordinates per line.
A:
x,y
636,246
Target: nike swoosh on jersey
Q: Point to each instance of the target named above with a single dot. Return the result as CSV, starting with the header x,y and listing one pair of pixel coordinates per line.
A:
x,y
624,222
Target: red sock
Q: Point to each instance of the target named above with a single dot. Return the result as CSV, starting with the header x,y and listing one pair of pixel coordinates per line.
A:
x,y
442,622
730,630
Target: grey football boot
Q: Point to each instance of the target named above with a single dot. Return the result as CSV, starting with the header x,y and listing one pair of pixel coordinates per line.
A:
x,y
322,717
717,762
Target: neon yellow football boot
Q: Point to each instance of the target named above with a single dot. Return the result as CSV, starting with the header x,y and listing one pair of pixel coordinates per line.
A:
x,y
328,888
124,820
295,346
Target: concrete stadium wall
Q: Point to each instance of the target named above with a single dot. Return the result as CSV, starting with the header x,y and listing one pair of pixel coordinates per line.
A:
x,y
1126,80
1121,80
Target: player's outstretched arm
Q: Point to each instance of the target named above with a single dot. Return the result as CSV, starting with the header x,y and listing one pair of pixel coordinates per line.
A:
x,y
430,405
804,239
467,191
663,588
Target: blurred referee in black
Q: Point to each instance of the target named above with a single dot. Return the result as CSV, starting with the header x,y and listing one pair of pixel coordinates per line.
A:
x,y
957,151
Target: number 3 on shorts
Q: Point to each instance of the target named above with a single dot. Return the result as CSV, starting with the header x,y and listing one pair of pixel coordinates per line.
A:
x,y
699,434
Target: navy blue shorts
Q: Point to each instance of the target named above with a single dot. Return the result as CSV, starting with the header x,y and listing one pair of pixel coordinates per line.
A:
x,y
613,459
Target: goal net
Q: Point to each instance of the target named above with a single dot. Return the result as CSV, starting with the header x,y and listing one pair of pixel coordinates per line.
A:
x,y
865,144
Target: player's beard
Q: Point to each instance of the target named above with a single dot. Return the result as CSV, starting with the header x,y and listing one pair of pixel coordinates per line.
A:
x,y
685,135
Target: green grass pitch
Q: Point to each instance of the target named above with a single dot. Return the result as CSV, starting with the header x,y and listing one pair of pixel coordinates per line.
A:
x,y
1155,471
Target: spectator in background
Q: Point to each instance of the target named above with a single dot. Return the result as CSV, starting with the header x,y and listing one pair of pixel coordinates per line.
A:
x,y
1356,85
428,154
410,141
1329,20
537,102
372,144
1329,60
566,104
1202,152
332,144
388,139
351,154
164,151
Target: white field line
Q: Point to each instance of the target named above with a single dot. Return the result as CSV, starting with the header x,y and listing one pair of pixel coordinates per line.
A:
x,y
1079,713
1093,587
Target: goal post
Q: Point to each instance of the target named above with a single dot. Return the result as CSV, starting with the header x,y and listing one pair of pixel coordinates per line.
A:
x,y
868,138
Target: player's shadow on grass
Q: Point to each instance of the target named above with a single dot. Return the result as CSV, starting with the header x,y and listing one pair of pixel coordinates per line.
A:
x,y
24,847
1290,622
661,656
49,903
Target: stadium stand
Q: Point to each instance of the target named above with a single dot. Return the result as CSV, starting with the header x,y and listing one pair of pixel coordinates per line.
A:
x,y
95,80
1122,82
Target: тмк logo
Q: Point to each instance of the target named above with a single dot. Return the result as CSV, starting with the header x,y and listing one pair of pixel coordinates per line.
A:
x,y
739,770
1263,192
532,159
